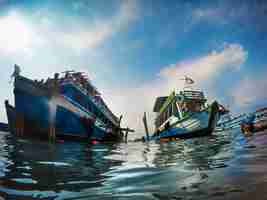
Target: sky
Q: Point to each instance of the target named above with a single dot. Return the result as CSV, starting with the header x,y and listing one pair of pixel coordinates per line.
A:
x,y
134,51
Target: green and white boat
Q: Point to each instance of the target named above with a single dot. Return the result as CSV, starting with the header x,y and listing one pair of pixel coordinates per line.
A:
x,y
185,114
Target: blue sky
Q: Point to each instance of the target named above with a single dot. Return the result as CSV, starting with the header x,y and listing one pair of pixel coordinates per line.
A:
x,y
137,50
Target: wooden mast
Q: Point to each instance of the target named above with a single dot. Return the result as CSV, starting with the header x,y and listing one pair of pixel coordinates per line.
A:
x,y
145,124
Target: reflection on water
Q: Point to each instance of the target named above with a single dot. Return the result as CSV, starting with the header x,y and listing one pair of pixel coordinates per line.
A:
x,y
193,169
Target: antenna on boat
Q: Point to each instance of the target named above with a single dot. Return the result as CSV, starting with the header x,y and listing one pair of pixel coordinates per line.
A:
x,y
145,124
120,120
127,130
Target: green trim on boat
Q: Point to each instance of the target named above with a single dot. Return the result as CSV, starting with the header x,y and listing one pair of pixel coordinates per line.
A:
x,y
167,102
188,114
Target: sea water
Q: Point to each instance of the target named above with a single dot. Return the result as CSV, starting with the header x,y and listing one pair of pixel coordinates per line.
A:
x,y
223,166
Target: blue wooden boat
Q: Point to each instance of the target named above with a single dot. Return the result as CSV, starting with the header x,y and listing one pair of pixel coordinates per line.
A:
x,y
254,122
65,106
183,115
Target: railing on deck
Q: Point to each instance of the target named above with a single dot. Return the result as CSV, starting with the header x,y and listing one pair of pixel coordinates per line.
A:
x,y
235,122
99,105
191,94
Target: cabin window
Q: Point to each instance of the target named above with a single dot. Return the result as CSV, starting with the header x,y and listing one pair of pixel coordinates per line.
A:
x,y
158,122
164,116
170,110
174,108
193,106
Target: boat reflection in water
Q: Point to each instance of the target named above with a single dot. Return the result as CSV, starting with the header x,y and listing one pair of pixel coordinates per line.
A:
x,y
36,169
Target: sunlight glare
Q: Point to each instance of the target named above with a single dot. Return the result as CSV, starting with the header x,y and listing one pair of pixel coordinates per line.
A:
x,y
15,34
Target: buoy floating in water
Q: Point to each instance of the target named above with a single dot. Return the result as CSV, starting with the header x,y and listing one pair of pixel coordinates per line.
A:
x,y
94,141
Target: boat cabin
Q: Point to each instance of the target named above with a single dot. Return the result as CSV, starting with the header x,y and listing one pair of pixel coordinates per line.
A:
x,y
178,105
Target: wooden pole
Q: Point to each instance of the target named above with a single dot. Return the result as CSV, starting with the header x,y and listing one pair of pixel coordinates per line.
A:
x,y
22,125
19,124
52,119
120,120
126,134
51,132
145,124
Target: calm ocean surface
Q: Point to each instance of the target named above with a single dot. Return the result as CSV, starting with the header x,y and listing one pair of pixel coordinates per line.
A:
x,y
223,166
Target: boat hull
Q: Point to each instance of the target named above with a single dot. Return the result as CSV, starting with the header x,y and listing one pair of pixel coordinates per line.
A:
x,y
248,128
37,112
196,125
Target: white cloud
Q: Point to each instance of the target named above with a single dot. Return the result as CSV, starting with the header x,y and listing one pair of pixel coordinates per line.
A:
x,y
134,101
42,45
250,91
231,57
18,34
101,29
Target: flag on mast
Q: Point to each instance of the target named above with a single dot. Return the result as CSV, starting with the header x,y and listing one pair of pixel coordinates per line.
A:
x,y
188,80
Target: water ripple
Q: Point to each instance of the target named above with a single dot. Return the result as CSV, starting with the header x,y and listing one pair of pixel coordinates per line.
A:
x,y
182,169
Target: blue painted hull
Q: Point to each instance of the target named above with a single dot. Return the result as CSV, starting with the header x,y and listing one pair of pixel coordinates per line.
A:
x,y
41,110
3,127
198,124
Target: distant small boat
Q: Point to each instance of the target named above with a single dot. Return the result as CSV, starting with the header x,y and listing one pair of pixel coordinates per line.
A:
x,y
254,122
184,115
